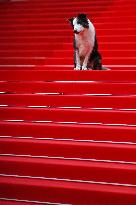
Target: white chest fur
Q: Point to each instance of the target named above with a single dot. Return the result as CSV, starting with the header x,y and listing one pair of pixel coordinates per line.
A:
x,y
85,40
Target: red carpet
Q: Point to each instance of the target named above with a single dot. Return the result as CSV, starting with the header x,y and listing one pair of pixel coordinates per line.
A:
x,y
67,137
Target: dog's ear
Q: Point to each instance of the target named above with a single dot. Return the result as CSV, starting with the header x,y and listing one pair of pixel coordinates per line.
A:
x,y
71,21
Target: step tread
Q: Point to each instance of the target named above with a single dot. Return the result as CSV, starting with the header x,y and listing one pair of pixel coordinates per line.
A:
x,y
113,102
68,75
66,162
125,153
6,201
68,185
69,115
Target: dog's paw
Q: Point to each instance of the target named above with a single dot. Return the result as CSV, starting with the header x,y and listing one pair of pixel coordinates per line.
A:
x,y
77,68
84,68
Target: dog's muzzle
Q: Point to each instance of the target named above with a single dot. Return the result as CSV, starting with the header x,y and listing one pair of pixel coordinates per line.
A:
x,y
76,32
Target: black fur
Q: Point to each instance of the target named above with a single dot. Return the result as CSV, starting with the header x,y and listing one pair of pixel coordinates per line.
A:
x,y
82,19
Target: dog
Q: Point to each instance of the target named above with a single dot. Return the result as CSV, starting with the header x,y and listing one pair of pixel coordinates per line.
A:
x,y
86,54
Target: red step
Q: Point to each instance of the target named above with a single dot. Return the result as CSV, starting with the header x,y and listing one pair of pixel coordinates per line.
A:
x,y
64,25
69,88
60,53
114,102
65,192
39,4
69,149
61,61
69,61
62,12
99,20
69,131
69,169
66,39
65,12
68,75
63,67
128,31
5,201
69,115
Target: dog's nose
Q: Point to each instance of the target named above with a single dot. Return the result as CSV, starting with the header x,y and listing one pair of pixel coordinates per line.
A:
x,y
75,31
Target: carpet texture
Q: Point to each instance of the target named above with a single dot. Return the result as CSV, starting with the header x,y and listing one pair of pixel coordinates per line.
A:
x,y
67,137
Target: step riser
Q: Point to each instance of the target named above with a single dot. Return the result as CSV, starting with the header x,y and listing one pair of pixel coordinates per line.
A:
x,y
63,26
44,39
69,88
44,6
68,171
62,61
65,68
101,19
47,75
34,4
69,150
60,53
84,132
66,14
95,20
29,33
115,102
105,61
70,12
65,192
67,46
67,115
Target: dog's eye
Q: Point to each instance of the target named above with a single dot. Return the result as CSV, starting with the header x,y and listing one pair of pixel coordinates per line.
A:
x,y
86,25
79,22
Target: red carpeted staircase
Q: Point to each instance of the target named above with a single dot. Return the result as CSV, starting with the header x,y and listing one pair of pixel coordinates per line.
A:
x,y
66,137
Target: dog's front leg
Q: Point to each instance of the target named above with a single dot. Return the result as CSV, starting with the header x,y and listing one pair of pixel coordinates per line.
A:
x,y
84,66
77,61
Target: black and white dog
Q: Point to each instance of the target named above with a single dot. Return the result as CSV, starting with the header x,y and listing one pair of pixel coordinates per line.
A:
x,y
86,55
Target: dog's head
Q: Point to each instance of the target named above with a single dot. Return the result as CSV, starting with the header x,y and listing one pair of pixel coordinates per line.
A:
x,y
79,23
